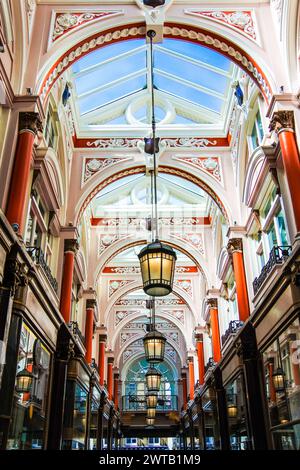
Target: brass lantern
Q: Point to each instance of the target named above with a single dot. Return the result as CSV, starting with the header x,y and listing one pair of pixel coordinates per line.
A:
x,y
154,3
278,379
154,345
24,381
153,379
232,410
150,421
157,262
151,400
151,412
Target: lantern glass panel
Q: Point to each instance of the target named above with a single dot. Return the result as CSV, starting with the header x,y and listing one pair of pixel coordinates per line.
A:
x,y
153,380
151,412
150,421
151,400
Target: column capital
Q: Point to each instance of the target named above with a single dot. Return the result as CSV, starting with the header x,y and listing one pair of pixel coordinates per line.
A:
x,y
190,359
102,338
212,303
91,303
110,360
30,121
282,120
71,245
199,337
235,244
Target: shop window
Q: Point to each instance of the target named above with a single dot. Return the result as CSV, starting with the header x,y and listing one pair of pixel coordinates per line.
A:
x,y
211,420
95,403
29,413
237,415
282,380
75,416
257,132
50,132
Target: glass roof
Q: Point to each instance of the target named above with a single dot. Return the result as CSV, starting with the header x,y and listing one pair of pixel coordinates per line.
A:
x,y
120,73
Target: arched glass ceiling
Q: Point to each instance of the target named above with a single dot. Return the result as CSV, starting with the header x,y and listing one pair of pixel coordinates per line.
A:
x,y
192,83
133,194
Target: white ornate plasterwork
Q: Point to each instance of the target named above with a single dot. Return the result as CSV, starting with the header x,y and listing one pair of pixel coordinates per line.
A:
x,y
121,314
194,238
30,6
91,166
126,270
114,142
68,21
210,165
188,142
142,302
124,337
241,20
171,31
178,314
114,285
185,285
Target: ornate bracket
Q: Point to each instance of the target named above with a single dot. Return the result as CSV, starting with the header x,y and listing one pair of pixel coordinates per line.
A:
x,y
282,120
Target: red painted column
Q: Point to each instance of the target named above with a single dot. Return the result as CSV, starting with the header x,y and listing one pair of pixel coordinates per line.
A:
x,y
89,330
283,123
110,364
235,247
215,330
101,361
200,356
29,125
116,390
191,378
67,280
184,389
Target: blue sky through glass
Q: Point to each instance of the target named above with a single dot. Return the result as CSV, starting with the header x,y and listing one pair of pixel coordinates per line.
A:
x,y
187,71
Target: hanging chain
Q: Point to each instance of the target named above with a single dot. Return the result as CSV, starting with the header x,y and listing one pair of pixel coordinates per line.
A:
x,y
151,34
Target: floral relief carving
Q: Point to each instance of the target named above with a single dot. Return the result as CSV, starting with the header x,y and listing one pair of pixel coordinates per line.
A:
x,y
210,165
185,284
195,239
121,314
114,285
94,165
241,20
67,21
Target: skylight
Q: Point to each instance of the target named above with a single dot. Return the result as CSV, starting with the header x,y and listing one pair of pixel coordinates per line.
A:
x,y
192,83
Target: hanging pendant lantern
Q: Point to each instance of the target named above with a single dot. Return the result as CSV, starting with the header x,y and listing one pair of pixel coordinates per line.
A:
x,y
151,400
24,381
153,380
151,412
154,345
157,262
278,379
154,3
232,410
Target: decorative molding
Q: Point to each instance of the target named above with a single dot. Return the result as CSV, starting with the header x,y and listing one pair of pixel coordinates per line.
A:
x,y
114,285
166,143
121,314
92,166
67,21
137,270
212,303
106,240
238,20
142,302
193,33
195,239
185,285
140,222
210,165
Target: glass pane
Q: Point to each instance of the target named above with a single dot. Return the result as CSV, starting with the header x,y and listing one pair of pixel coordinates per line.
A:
x,y
109,72
237,416
111,94
187,93
272,236
282,229
254,137
282,378
29,406
191,72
